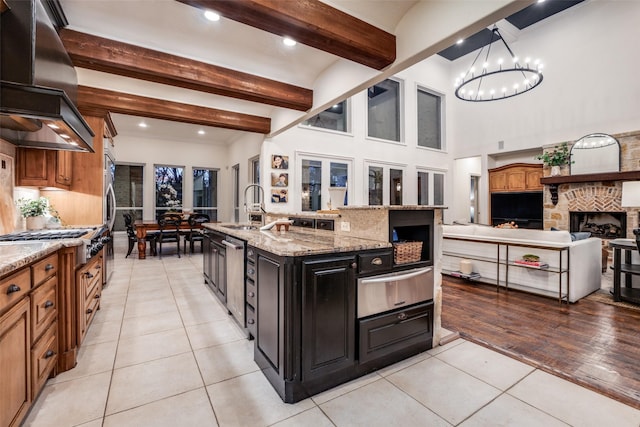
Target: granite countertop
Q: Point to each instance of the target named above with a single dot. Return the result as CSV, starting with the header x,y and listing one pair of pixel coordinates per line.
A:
x,y
299,241
14,255
393,207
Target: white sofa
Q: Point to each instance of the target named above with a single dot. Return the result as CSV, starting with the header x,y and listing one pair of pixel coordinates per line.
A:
x,y
479,244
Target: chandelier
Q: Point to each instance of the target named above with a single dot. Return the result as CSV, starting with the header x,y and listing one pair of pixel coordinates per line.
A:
x,y
485,83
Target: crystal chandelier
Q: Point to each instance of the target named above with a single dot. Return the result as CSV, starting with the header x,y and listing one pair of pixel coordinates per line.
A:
x,y
485,83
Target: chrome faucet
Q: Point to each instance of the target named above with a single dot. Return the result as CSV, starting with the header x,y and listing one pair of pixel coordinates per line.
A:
x,y
255,207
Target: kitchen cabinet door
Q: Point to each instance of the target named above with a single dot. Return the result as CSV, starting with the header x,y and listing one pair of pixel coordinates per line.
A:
x,y
269,311
15,364
43,168
328,316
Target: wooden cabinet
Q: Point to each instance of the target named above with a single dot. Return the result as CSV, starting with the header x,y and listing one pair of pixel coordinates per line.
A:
x,y
89,292
15,366
515,178
328,316
44,168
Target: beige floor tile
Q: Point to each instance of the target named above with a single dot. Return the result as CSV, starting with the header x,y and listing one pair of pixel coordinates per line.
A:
x,y
146,308
139,294
92,359
388,370
109,313
440,348
226,361
310,418
102,332
249,400
142,325
190,409
214,333
137,385
489,366
195,313
70,403
447,391
507,411
345,388
144,348
573,404
379,404
94,423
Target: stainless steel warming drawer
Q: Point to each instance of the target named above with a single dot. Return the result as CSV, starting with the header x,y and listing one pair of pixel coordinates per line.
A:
x,y
385,292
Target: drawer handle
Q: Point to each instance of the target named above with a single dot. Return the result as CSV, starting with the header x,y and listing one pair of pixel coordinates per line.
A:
x,y
250,253
400,303
251,321
89,275
49,353
376,261
97,296
402,316
251,271
13,288
354,265
252,294
48,267
48,304
89,310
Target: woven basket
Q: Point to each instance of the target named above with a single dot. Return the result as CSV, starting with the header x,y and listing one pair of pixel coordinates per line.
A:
x,y
406,252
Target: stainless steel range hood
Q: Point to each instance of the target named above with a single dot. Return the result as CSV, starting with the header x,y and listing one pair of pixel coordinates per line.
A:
x,y
38,83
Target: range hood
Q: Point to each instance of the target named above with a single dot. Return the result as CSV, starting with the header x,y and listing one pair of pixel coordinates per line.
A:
x,y
38,83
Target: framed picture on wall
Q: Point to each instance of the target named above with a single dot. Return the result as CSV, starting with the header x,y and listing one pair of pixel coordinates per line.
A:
x,y
279,195
279,179
278,161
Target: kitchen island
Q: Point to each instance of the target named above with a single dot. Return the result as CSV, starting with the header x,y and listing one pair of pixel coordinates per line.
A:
x,y
310,315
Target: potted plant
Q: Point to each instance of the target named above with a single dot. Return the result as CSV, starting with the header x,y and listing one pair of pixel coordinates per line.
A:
x,y
33,210
556,158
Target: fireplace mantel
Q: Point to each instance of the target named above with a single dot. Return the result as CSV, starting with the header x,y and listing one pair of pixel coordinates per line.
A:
x,y
554,181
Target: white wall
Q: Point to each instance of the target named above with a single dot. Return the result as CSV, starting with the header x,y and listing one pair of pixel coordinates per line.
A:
x,y
151,152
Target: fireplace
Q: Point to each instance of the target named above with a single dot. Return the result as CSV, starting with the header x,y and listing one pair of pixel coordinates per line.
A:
x,y
605,225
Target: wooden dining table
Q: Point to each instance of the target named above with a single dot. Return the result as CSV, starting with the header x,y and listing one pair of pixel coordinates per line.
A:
x,y
143,226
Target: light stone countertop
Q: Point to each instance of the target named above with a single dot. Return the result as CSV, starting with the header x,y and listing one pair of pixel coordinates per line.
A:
x,y
299,241
14,255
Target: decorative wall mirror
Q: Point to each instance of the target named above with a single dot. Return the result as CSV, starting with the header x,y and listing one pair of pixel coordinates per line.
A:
x,y
595,153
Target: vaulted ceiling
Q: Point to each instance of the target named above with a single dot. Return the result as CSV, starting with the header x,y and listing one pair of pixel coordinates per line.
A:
x,y
163,61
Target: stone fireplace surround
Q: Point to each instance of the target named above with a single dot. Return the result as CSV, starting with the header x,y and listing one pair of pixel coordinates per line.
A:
x,y
599,196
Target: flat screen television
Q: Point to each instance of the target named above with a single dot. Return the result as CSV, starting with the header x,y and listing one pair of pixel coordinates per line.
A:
x,y
525,209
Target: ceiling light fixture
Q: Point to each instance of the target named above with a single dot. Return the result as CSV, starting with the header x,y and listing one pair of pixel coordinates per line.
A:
x,y
142,124
288,41
200,132
211,15
505,81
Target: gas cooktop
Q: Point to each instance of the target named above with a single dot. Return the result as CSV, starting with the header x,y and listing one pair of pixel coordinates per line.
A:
x,y
57,234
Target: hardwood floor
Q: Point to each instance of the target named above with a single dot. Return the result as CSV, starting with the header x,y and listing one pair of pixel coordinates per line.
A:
x,y
590,343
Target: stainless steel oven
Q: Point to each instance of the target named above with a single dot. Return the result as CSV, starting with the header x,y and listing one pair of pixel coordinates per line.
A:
x,y
385,292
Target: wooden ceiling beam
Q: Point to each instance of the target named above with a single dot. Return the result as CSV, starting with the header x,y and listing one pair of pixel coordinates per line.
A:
x,y
312,23
101,54
98,102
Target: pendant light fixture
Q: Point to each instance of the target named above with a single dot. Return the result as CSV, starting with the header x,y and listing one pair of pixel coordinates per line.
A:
x,y
497,77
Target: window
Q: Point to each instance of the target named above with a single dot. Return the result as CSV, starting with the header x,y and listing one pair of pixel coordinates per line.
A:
x,y
430,184
168,188
205,192
384,110
235,177
319,174
385,184
333,118
429,119
127,186
395,187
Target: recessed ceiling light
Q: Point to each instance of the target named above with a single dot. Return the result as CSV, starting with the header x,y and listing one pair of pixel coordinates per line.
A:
x,y
211,15
142,124
64,135
460,41
288,41
53,126
201,132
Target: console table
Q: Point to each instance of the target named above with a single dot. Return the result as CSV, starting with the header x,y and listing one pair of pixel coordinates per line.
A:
x,y
628,293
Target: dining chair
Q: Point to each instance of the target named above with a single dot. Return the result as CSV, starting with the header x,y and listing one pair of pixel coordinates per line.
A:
x,y
194,235
133,238
169,230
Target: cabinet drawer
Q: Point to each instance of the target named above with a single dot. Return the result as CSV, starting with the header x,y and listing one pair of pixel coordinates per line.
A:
x,y
43,307
375,262
324,224
92,304
14,287
252,323
92,278
387,333
251,293
44,268
304,222
43,358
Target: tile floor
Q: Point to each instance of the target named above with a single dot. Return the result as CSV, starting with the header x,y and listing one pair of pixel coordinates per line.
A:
x,y
163,352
